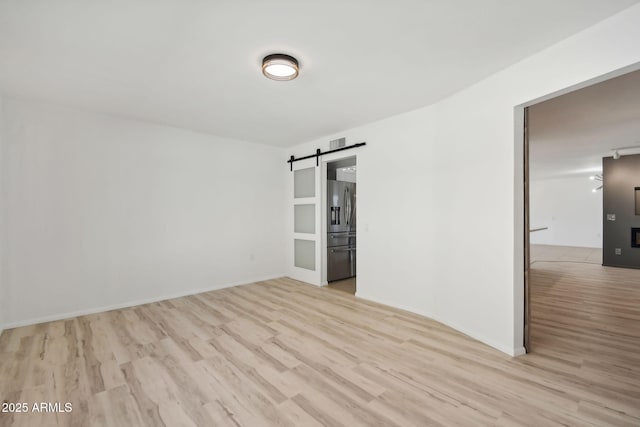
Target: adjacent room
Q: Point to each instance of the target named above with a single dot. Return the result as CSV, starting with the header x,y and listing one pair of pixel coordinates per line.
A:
x,y
584,167
276,213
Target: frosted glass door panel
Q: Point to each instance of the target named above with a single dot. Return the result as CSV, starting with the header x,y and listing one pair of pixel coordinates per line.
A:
x,y
304,183
305,218
305,254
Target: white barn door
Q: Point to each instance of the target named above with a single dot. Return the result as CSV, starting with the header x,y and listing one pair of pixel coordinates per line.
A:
x,y
304,260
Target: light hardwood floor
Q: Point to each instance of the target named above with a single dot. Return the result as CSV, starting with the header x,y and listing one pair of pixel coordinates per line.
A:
x,y
587,317
346,285
571,254
281,353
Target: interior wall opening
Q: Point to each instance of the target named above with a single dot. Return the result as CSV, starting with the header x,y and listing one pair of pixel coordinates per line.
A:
x,y
580,211
340,207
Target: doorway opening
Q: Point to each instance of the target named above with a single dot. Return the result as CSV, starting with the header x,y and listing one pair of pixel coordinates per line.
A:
x,y
340,207
572,140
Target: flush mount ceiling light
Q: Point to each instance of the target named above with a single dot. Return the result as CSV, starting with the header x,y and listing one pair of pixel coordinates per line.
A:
x,y
280,67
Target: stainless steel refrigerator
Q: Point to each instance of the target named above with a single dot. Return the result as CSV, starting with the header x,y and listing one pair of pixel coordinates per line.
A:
x,y
341,230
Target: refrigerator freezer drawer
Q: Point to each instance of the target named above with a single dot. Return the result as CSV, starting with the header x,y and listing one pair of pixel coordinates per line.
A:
x,y
341,262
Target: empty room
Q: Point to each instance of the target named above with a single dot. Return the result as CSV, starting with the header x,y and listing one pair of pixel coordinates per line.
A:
x,y
583,167
279,213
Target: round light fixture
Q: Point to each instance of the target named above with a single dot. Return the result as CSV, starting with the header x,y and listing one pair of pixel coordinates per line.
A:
x,y
280,67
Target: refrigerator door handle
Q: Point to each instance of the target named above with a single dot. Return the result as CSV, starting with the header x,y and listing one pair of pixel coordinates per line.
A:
x,y
344,204
347,206
343,250
349,200
342,235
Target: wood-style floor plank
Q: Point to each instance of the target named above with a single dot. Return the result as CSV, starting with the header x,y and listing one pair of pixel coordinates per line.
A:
x,y
282,353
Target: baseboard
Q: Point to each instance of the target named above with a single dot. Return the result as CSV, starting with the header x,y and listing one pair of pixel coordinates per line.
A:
x,y
94,310
504,349
519,351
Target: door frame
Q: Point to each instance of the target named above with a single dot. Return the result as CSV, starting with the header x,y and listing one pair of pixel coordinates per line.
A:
x,y
323,210
527,235
522,246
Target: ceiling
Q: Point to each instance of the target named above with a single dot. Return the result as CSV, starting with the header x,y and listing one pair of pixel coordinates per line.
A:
x,y
569,135
196,64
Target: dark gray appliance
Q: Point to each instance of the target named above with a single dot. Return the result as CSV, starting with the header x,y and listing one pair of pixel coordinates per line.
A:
x,y
341,227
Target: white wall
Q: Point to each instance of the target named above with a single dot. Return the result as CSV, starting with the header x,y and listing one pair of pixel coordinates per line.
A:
x,y
569,208
105,211
440,205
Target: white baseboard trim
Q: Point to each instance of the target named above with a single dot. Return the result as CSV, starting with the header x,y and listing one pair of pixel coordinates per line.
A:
x,y
519,351
94,310
498,346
